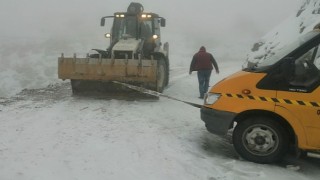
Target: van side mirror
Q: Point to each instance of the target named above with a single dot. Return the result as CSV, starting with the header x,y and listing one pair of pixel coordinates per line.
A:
x,y
163,22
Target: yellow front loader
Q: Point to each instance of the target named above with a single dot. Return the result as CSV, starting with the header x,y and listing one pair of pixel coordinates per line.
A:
x,y
135,55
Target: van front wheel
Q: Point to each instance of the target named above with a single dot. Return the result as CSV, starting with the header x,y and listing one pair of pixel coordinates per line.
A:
x,y
260,140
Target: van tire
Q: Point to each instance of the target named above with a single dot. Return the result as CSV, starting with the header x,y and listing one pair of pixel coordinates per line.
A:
x,y
260,139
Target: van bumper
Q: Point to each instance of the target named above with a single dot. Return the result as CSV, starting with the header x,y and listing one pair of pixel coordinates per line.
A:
x,y
216,121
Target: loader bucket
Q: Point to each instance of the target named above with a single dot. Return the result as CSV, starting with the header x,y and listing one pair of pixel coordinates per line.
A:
x,y
139,72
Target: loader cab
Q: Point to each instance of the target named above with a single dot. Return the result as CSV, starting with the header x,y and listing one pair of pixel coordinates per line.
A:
x,y
138,25
142,26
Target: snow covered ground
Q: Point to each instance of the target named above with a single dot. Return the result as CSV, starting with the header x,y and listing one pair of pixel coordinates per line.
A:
x,y
50,134
46,133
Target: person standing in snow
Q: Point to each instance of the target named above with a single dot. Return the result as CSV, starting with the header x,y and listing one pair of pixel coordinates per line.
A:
x,y
202,62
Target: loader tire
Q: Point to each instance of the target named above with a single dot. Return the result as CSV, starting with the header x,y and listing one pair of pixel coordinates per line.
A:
x,y
161,75
81,86
167,74
75,84
260,139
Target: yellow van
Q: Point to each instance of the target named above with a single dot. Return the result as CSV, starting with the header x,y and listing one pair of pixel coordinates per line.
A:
x,y
273,105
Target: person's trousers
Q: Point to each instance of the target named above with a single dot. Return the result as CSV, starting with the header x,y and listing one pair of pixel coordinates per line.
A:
x,y
203,78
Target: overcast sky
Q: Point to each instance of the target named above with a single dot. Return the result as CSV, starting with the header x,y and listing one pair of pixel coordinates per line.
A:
x,y
214,23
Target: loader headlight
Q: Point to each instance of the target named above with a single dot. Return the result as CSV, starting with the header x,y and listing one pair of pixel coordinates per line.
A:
x,y
120,15
211,98
146,16
107,35
155,36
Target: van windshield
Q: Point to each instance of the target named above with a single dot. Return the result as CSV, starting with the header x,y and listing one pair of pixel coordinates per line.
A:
x,y
279,53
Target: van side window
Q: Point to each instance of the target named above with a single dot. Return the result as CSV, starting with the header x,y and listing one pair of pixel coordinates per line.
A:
x,y
317,59
306,73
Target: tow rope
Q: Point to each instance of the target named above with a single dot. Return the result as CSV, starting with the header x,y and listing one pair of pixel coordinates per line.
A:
x,y
155,93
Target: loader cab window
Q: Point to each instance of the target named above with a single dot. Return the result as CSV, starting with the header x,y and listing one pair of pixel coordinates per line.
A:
x,y
146,33
157,32
157,26
125,27
130,27
146,29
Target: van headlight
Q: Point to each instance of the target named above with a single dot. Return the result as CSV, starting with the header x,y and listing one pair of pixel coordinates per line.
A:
x,y
211,98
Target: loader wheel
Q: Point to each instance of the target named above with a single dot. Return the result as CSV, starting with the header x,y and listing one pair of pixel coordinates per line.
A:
x,y
161,76
260,140
75,86
167,75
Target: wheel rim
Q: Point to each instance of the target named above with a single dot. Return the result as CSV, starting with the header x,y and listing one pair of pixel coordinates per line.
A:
x,y
260,140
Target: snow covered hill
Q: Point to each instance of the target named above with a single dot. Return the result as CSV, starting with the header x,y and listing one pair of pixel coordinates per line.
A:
x,y
306,18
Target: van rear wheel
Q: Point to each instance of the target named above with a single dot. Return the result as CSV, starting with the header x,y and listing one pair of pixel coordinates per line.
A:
x,y
260,139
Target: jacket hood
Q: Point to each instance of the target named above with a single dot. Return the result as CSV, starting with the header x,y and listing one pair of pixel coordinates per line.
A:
x,y
203,49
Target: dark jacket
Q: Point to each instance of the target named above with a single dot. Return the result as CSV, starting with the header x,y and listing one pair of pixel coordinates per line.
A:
x,y
203,60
